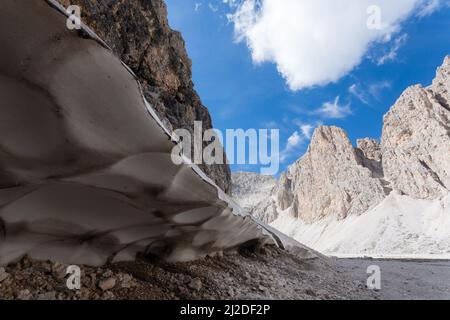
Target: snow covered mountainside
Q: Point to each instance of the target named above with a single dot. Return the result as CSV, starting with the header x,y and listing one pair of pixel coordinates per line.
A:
x,y
398,227
379,199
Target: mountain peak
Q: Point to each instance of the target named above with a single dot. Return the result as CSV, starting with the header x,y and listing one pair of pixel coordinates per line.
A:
x,y
335,179
416,139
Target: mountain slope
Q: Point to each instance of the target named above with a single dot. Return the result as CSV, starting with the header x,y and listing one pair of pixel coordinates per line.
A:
x,y
388,198
398,227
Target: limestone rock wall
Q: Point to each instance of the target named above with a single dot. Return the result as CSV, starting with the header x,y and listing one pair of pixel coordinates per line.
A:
x,y
416,139
328,179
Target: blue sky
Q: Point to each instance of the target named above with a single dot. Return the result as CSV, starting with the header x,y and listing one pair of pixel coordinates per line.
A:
x,y
278,76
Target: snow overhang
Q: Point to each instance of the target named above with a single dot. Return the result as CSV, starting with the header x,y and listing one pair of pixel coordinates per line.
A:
x,y
86,174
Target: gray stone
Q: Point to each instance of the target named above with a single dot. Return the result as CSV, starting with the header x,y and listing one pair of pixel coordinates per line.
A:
x,y
127,281
47,296
107,284
24,295
195,284
3,274
284,192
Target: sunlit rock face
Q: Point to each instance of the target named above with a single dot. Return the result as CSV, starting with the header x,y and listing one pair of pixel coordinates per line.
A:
x,y
330,180
85,169
416,139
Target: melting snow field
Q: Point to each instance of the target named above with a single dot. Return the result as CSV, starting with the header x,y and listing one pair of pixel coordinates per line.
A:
x,y
398,227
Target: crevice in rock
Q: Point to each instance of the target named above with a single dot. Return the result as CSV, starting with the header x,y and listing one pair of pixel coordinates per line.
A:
x,y
374,166
442,101
2,229
386,186
432,172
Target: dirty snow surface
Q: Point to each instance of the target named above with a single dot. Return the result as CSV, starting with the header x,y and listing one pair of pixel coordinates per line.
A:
x,y
86,168
399,227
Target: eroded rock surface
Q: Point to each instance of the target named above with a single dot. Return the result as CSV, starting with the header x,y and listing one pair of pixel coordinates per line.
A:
x,y
416,139
369,155
370,147
329,180
284,196
255,193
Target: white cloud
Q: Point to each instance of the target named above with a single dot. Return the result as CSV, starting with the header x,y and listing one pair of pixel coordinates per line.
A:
x,y
333,110
366,93
307,130
391,55
232,3
429,8
315,42
292,145
294,140
297,140
358,93
197,6
376,88
212,7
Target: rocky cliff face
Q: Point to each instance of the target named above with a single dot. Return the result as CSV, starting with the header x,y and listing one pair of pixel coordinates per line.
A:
x,y
370,149
284,196
369,155
138,32
329,179
334,178
416,139
258,201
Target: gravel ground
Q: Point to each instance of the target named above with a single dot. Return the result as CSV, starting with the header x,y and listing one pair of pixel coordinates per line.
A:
x,y
406,279
244,274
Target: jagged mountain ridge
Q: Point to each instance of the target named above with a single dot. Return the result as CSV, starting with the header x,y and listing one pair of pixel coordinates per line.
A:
x,y
335,181
416,139
330,179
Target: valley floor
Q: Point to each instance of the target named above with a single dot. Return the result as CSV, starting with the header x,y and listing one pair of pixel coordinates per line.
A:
x,y
406,279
